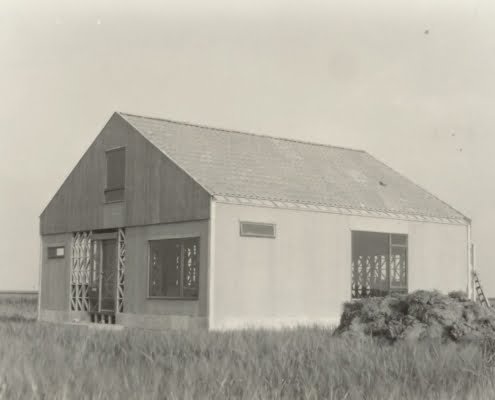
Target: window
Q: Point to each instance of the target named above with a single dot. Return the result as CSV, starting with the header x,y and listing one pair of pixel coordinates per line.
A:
x,y
257,229
379,263
174,268
115,175
56,252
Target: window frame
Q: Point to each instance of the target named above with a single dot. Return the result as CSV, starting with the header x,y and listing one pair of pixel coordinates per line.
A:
x,y
398,289
244,234
55,246
181,287
391,246
109,189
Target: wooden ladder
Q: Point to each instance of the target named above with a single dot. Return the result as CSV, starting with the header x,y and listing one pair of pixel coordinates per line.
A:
x,y
479,291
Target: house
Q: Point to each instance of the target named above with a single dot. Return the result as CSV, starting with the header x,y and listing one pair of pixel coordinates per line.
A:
x,y
168,224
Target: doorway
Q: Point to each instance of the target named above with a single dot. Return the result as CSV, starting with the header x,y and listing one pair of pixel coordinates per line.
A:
x,y
103,289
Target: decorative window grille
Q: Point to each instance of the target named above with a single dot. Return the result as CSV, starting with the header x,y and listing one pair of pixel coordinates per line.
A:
x,y
379,264
82,271
174,268
85,270
121,270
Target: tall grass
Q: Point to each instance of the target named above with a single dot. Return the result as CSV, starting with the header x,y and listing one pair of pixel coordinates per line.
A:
x,y
46,361
18,308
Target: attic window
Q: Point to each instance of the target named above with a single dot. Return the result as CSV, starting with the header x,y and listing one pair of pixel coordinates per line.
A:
x,y
56,252
257,229
115,175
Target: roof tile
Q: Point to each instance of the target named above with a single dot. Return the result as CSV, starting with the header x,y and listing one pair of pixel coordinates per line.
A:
x,y
238,164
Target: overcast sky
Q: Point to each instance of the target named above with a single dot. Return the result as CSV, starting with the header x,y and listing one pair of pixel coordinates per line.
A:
x,y
411,82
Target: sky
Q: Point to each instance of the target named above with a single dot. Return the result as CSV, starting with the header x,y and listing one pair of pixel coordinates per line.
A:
x,y
412,83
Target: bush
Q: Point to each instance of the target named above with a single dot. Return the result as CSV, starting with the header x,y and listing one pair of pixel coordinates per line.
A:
x,y
417,316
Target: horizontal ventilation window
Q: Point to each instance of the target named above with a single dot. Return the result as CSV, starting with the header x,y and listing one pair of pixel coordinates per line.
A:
x,y
56,252
257,229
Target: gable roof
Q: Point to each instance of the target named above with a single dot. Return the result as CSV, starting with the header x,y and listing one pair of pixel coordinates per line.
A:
x,y
244,165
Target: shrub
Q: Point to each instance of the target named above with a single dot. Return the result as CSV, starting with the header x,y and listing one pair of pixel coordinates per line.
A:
x,y
417,316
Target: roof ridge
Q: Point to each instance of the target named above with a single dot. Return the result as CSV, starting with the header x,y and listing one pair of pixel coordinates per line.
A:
x,y
240,132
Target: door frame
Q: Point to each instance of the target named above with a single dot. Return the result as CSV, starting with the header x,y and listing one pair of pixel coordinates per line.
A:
x,y
99,238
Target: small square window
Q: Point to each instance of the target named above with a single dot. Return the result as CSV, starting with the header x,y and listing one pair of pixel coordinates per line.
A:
x,y
56,252
257,229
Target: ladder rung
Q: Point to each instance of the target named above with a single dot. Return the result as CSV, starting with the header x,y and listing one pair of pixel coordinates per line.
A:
x,y
479,290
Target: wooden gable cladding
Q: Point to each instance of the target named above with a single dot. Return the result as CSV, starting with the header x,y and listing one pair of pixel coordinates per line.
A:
x,y
171,195
156,189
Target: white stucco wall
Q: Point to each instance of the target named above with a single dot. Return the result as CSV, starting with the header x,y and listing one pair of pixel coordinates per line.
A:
x,y
304,275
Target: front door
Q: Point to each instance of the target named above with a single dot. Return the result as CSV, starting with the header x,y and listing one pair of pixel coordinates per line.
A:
x,y
108,276
103,290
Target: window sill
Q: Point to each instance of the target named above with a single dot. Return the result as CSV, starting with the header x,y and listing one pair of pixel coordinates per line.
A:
x,y
114,201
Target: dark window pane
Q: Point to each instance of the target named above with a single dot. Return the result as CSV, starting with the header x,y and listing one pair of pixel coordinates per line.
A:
x,y
191,267
379,263
165,268
370,257
174,268
398,268
399,240
114,195
116,169
257,229
108,273
56,252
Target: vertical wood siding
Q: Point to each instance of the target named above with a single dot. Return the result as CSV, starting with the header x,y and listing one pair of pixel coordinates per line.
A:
x,y
136,299
157,191
55,274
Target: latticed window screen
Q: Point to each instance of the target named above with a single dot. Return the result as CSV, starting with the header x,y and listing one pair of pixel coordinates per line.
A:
x,y
174,268
86,271
379,263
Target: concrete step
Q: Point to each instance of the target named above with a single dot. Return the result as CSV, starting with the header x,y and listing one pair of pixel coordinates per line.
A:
x,y
97,326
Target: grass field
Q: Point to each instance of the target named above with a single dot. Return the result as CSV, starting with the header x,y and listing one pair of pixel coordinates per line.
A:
x,y
46,361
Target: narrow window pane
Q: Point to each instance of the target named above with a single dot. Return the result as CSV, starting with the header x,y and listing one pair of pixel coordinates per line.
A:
x,y
370,258
108,273
165,265
399,240
114,195
116,169
191,267
398,268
